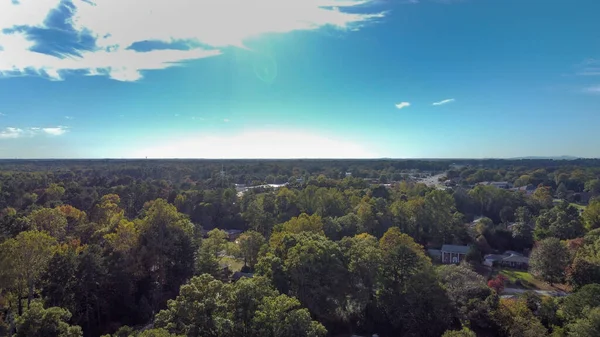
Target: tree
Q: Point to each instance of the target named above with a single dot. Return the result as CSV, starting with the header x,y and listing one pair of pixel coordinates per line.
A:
x,y
250,243
40,322
515,319
591,215
542,197
593,186
364,261
562,221
574,306
464,332
250,307
589,326
497,283
304,223
317,275
409,288
24,259
561,191
282,316
165,250
49,220
549,259
468,294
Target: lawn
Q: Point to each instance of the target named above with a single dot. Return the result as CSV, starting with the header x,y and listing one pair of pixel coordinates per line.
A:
x,y
515,277
524,280
233,263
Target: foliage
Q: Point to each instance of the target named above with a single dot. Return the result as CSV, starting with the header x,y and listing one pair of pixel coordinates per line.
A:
x,y
549,260
497,283
40,322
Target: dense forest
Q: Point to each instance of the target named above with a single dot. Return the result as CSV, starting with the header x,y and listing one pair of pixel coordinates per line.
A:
x,y
331,248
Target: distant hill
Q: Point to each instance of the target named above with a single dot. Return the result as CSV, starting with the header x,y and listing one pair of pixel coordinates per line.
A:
x,y
547,158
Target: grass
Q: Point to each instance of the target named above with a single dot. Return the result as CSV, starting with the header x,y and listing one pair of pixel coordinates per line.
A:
x,y
527,281
578,206
233,263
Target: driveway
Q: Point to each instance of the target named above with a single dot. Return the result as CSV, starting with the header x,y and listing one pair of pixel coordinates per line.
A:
x,y
517,291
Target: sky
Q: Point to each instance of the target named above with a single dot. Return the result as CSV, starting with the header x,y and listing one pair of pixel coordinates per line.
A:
x,y
299,78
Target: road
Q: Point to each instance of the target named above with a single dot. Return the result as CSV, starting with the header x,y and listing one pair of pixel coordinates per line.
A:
x,y
516,291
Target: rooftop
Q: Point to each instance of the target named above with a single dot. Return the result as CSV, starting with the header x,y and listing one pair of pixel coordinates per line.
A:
x,y
455,249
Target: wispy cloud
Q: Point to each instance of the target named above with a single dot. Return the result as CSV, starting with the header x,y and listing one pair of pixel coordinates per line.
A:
x,y
445,101
589,67
402,105
12,132
52,38
68,117
595,90
2,114
226,120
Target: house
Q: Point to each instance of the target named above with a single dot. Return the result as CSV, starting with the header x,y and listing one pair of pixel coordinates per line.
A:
x,y
527,190
238,275
453,253
233,234
435,254
515,261
509,259
498,184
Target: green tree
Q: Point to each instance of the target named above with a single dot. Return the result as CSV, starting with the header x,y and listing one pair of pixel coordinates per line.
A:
x,y
165,249
282,316
409,288
591,215
464,332
467,292
575,306
250,243
548,260
40,322
23,261
588,326
593,186
562,221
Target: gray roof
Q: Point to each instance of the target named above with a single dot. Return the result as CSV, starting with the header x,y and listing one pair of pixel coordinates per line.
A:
x,y
516,258
494,257
455,249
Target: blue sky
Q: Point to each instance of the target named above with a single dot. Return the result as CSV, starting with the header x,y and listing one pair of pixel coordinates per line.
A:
x,y
299,78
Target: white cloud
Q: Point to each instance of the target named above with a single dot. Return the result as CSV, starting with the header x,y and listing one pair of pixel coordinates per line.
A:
x,y
258,144
56,131
592,90
68,117
117,24
402,105
226,120
446,101
12,132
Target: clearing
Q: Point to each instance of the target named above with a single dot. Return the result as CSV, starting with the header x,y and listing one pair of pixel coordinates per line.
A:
x,y
521,279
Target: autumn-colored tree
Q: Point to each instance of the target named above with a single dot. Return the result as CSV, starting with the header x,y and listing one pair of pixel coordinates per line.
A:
x,y
497,283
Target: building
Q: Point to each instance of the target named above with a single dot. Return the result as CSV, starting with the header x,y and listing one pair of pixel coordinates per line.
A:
x,y
498,184
515,261
527,190
233,234
509,259
453,253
